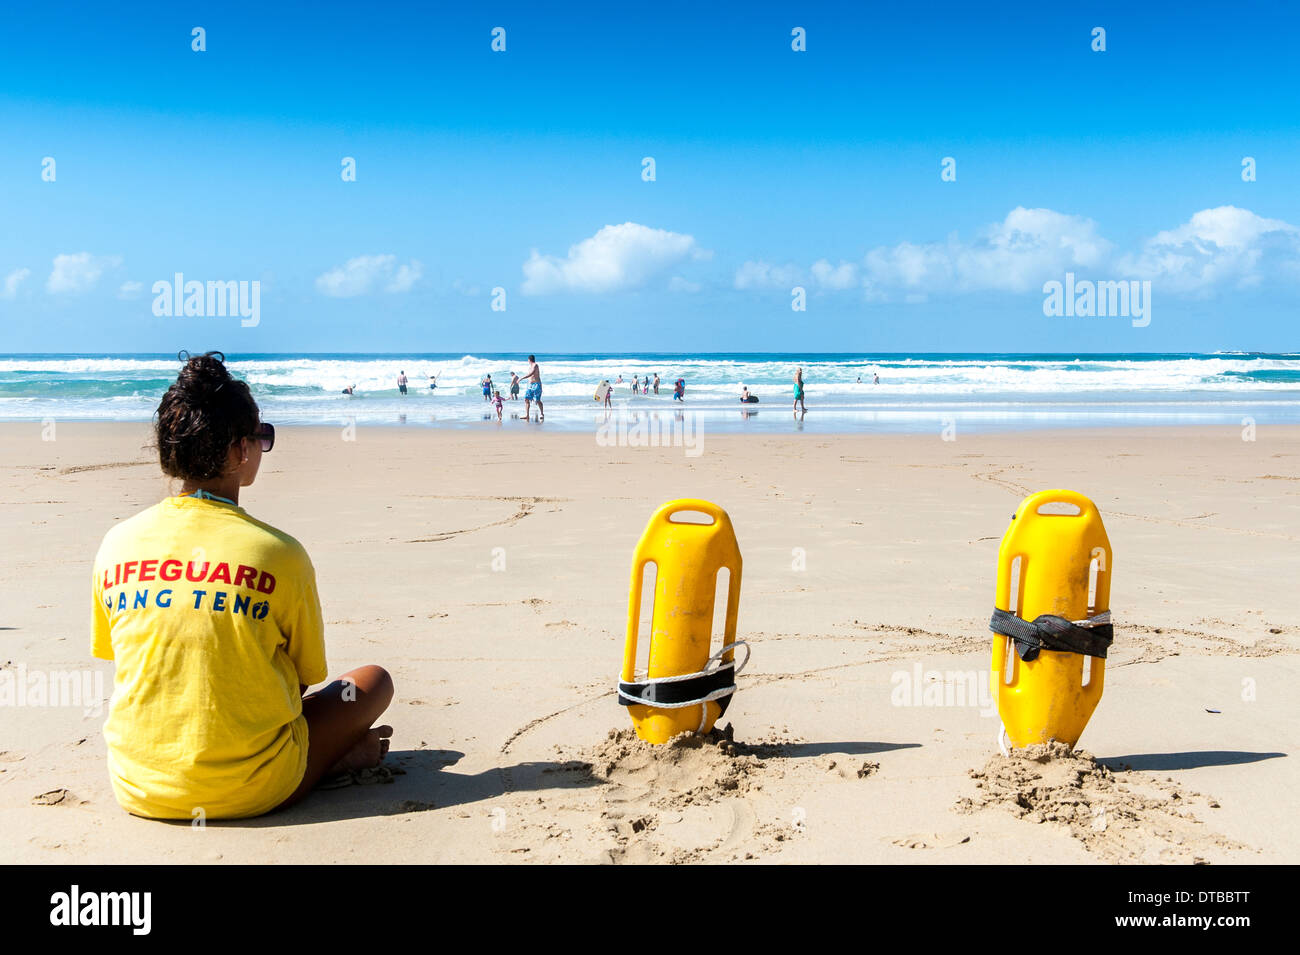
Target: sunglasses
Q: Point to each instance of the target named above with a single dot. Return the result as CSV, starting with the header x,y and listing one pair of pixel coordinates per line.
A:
x,y
266,434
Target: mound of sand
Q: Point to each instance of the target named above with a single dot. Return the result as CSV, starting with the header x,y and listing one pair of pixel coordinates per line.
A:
x,y
1130,817
684,800
708,798
688,770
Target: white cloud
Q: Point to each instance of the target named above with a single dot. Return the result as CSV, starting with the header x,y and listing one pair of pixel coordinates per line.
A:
x,y
1016,255
12,281
406,277
78,272
842,276
615,258
366,273
130,290
1220,246
761,275
679,284
765,275
1216,248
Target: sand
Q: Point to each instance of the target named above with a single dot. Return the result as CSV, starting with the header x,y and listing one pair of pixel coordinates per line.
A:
x,y
488,570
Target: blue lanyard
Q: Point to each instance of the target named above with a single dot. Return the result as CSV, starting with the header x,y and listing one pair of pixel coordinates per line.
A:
x,y
203,495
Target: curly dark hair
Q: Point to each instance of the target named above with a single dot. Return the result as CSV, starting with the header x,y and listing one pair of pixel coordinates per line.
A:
x,y
201,416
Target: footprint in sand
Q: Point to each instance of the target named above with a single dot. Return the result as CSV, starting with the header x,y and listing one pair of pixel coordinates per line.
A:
x,y
57,797
932,840
362,777
79,468
409,805
848,770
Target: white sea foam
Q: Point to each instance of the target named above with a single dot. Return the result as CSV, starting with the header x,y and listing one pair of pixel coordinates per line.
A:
x,y
978,387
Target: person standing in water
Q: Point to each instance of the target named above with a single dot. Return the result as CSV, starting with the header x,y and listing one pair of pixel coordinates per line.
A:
x,y
798,391
514,387
401,382
656,382
877,380
534,391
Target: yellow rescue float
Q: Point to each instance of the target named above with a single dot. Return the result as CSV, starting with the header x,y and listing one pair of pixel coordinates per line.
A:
x,y
680,692
1052,605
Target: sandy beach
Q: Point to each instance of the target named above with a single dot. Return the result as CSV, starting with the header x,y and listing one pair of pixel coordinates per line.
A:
x,y
488,571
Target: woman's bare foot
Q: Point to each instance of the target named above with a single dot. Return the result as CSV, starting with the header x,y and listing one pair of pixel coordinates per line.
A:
x,y
368,753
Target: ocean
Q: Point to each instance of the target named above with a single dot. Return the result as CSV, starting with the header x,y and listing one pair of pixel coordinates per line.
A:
x,y
919,392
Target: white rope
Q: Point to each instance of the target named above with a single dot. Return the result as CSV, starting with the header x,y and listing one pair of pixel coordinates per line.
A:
x,y
711,697
704,707
730,646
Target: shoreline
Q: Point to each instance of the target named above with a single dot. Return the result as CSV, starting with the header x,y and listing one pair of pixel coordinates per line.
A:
x,y
665,422
846,393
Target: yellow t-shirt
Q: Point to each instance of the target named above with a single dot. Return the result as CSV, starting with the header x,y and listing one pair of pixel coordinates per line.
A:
x,y
214,621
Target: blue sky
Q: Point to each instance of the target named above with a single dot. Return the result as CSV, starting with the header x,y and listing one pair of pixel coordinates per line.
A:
x,y
774,169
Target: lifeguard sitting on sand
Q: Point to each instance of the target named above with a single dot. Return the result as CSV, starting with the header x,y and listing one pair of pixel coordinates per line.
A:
x,y
214,622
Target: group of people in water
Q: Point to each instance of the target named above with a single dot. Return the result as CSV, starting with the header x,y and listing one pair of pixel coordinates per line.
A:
x,y
641,386
532,393
532,378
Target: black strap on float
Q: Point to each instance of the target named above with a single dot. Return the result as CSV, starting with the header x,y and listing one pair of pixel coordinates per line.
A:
x,y
1049,632
675,692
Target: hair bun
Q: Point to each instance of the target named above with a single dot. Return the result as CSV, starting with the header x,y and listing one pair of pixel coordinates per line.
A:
x,y
201,416
204,375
